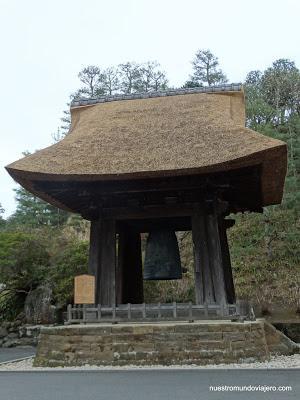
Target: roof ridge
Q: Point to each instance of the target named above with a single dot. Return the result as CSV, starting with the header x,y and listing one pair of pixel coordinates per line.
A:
x,y
231,87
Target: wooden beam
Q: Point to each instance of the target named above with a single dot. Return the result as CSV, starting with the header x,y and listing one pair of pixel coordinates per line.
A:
x,y
240,187
147,225
124,213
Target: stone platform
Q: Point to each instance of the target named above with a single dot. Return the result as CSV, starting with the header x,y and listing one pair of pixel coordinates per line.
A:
x,y
164,343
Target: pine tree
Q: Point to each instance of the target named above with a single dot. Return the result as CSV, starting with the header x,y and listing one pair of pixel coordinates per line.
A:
x,y
258,111
206,69
33,212
2,221
280,85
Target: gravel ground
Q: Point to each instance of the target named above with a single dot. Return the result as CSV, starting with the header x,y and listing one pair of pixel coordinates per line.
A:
x,y
275,362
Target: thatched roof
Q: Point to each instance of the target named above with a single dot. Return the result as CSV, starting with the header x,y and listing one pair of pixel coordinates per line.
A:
x,y
169,135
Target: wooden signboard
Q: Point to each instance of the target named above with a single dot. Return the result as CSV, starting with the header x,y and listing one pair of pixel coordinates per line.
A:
x,y
84,289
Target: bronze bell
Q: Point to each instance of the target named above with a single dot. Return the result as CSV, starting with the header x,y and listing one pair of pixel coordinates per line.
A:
x,y
162,258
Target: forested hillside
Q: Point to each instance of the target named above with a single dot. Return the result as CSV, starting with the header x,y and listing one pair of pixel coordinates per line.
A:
x,y
43,246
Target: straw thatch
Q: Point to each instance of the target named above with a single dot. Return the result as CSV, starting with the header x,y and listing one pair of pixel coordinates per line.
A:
x,y
164,136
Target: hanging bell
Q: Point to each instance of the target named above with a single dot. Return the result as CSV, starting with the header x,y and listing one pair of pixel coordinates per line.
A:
x,y
162,258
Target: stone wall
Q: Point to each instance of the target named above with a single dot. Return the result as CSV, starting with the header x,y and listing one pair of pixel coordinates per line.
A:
x,y
290,328
13,334
278,342
156,343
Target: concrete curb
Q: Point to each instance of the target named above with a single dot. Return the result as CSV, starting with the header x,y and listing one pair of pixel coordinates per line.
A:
x,y
16,360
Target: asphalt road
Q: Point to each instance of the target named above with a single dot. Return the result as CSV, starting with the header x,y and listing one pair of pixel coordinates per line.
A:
x,y
144,385
15,353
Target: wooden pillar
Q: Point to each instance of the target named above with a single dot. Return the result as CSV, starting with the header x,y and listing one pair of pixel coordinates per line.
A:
x,y
204,291
106,279
102,260
230,291
210,286
94,251
215,258
129,271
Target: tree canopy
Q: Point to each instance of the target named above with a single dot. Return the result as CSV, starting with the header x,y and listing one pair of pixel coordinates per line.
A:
x,y
34,212
129,77
206,70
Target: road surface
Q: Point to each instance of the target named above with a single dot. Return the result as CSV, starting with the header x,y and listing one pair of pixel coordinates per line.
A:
x,y
15,353
145,385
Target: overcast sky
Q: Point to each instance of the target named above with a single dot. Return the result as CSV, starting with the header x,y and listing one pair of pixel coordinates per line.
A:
x,y
44,44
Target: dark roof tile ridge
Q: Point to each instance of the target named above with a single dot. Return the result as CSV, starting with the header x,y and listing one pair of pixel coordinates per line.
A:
x,y
231,87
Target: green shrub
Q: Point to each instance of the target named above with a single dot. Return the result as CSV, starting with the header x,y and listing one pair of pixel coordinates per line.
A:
x,y
24,262
71,260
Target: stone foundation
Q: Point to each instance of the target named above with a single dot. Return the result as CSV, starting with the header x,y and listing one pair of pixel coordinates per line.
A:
x,y
164,343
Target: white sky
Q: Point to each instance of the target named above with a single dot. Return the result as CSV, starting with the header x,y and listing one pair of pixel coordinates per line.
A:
x,y
44,44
